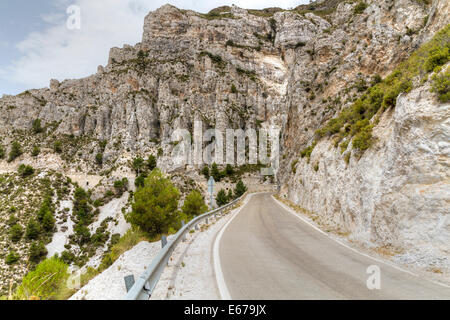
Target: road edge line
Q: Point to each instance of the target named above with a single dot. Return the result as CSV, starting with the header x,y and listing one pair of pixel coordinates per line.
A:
x,y
220,280
388,263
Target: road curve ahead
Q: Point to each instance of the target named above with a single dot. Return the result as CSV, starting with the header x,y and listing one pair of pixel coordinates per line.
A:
x,y
268,253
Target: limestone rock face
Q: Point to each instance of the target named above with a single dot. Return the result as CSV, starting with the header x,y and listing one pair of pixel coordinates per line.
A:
x,y
237,68
396,193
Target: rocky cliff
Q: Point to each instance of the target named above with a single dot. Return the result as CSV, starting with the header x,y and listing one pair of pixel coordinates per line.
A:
x,y
298,69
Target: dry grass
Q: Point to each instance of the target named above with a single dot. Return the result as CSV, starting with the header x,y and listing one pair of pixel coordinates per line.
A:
x,y
387,251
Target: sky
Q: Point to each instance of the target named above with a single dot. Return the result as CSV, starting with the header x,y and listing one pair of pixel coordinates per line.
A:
x,y
41,40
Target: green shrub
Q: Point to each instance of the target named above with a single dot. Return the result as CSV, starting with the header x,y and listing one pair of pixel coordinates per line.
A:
x,y
37,252
344,146
308,151
293,166
121,186
363,139
354,120
45,214
233,89
229,170
155,207
57,147
99,158
205,172
82,234
130,239
37,128
151,163
438,57
194,205
2,152
441,85
67,257
16,233
25,170
221,198
360,7
140,181
33,230
36,151
12,258
138,165
45,281
16,151
215,173
48,221
347,157
230,195
240,189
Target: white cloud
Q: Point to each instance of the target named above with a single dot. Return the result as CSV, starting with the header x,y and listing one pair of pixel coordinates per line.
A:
x,y
60,53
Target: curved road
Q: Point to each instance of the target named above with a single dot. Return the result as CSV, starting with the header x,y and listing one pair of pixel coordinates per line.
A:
x,y
268,253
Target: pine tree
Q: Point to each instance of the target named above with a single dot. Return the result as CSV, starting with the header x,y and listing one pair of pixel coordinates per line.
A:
x,y
221,198
194,205
215,173
240,189
37,252
16,233
33,230
155,207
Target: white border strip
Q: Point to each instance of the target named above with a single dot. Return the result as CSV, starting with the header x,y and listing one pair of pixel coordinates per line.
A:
x,y
221,285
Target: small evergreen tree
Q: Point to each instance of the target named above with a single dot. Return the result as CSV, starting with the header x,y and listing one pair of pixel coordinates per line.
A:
x,y
37,128
33,230
16,233
57,146
36,151
37,252
205,172
2,152
229,170
230,195
240,189
138,164
48,221
151,162
140,181
16,151
25,170
215,173
99,158
12,258
221,198
155,207
194,205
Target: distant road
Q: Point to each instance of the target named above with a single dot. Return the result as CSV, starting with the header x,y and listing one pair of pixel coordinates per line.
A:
x,y
268,253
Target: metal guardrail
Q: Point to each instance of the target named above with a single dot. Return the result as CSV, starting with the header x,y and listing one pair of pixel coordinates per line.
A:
x,y
146,283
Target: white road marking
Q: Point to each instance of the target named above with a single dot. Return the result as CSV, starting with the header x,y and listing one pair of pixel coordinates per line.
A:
x,y
222,286
390,264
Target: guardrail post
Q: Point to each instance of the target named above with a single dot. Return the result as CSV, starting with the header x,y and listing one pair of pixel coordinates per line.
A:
x,y
182,226
129,282
163,241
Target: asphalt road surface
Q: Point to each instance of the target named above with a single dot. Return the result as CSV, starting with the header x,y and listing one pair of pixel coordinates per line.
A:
x,y
267,252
